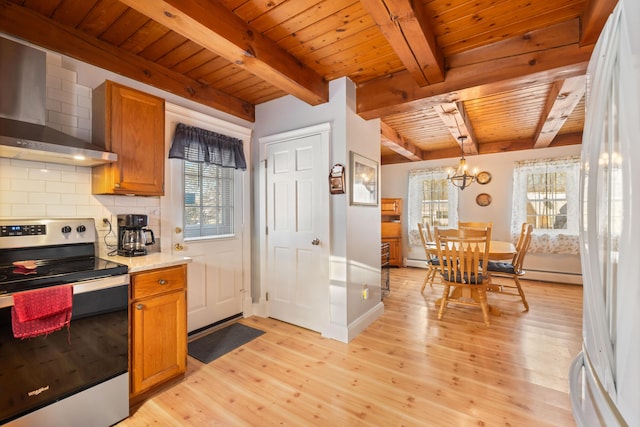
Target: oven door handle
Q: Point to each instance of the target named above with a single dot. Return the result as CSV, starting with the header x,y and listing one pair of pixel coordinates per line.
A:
x,y
82,287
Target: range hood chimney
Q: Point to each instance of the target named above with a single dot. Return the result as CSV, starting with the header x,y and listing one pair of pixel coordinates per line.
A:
x,y
23,134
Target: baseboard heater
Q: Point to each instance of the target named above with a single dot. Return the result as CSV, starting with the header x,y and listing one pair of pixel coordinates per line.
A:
x,y
541,275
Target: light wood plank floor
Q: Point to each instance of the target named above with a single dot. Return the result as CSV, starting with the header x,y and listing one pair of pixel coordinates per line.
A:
x,y
406,369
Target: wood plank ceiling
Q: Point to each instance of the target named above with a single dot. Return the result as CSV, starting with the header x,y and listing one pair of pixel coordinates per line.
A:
x,y
507,74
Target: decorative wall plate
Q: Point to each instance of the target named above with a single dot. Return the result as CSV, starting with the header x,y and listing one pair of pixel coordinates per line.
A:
x,y
483,177
483,199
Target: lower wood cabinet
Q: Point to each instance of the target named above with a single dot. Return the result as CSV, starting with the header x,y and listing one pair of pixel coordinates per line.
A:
x,y
158,334
395,250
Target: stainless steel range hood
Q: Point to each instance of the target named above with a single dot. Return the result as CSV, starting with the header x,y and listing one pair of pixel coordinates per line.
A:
x,y
23,134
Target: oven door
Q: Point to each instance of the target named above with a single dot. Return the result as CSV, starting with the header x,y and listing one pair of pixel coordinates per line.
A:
x,y
62,376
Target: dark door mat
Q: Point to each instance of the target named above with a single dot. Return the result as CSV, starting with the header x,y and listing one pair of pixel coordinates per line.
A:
x,y
218,343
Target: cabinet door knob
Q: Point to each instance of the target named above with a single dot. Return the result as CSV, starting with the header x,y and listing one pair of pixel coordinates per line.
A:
x,y
178,247
139,307
178,230
162,282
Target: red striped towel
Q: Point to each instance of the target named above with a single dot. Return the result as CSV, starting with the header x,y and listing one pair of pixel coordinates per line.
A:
x,y
41,311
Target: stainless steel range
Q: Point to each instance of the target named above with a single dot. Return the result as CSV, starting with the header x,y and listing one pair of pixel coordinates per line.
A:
x,y
78,375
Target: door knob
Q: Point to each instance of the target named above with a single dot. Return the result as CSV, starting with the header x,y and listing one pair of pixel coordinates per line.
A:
x,y
178,247
139,307
315,242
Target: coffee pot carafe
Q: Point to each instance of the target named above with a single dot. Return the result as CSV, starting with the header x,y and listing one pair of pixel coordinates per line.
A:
x,y
133,237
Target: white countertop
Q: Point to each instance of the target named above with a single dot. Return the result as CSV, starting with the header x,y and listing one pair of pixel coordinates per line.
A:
x,y
150,261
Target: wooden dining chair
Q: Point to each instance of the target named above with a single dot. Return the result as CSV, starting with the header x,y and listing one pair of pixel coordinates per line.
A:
x,y
513,269
461,253
431,253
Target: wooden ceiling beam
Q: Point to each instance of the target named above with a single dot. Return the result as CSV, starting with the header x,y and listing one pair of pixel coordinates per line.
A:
x,y
392,139
408,32
26,24
594,16
491,148
455,118
562,100
211,25
509,70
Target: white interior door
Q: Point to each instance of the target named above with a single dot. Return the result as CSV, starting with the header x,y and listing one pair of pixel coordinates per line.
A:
x,y
219,271
298,228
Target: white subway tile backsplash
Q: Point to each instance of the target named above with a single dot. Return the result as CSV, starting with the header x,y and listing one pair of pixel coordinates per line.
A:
x,y
8,170
61,211
84,101
75,199
84,123
44,198
45,174
62,73
59,167
126,201
62,119
60,95
83,188
30,164
74,110
90,212
28,210
79,176
53,105
27,185
9,197
71,86
53,81
60,187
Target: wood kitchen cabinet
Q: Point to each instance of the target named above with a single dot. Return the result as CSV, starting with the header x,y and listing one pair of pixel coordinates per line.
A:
x,y
391,230
390,208
158,328
129,123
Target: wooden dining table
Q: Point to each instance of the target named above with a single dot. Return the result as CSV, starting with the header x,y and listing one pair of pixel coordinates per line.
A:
x,y
501,250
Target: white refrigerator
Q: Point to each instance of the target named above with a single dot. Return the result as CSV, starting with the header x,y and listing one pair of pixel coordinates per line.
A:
x,y
605,376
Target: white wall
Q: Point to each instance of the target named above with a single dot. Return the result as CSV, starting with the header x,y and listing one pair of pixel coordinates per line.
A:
x,y
355,230
500,165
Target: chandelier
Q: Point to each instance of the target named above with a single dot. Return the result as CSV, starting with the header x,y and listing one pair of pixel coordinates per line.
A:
x,y
461,177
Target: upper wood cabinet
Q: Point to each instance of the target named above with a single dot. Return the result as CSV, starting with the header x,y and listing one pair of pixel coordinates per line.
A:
x,y
391,207
129,123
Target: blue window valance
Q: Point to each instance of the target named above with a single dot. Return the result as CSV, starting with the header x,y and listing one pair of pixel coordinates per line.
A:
x,y
203,146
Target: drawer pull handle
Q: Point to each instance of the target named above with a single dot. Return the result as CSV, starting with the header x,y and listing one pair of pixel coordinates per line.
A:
x,y
139,307
162,282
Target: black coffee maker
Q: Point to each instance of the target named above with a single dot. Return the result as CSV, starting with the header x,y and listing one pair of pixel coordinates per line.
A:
x,y
133,237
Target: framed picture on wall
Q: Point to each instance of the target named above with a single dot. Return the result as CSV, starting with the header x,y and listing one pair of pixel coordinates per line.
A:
x,y
364,180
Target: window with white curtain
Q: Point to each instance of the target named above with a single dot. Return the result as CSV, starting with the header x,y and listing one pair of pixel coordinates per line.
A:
x,y
432,199
546,195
